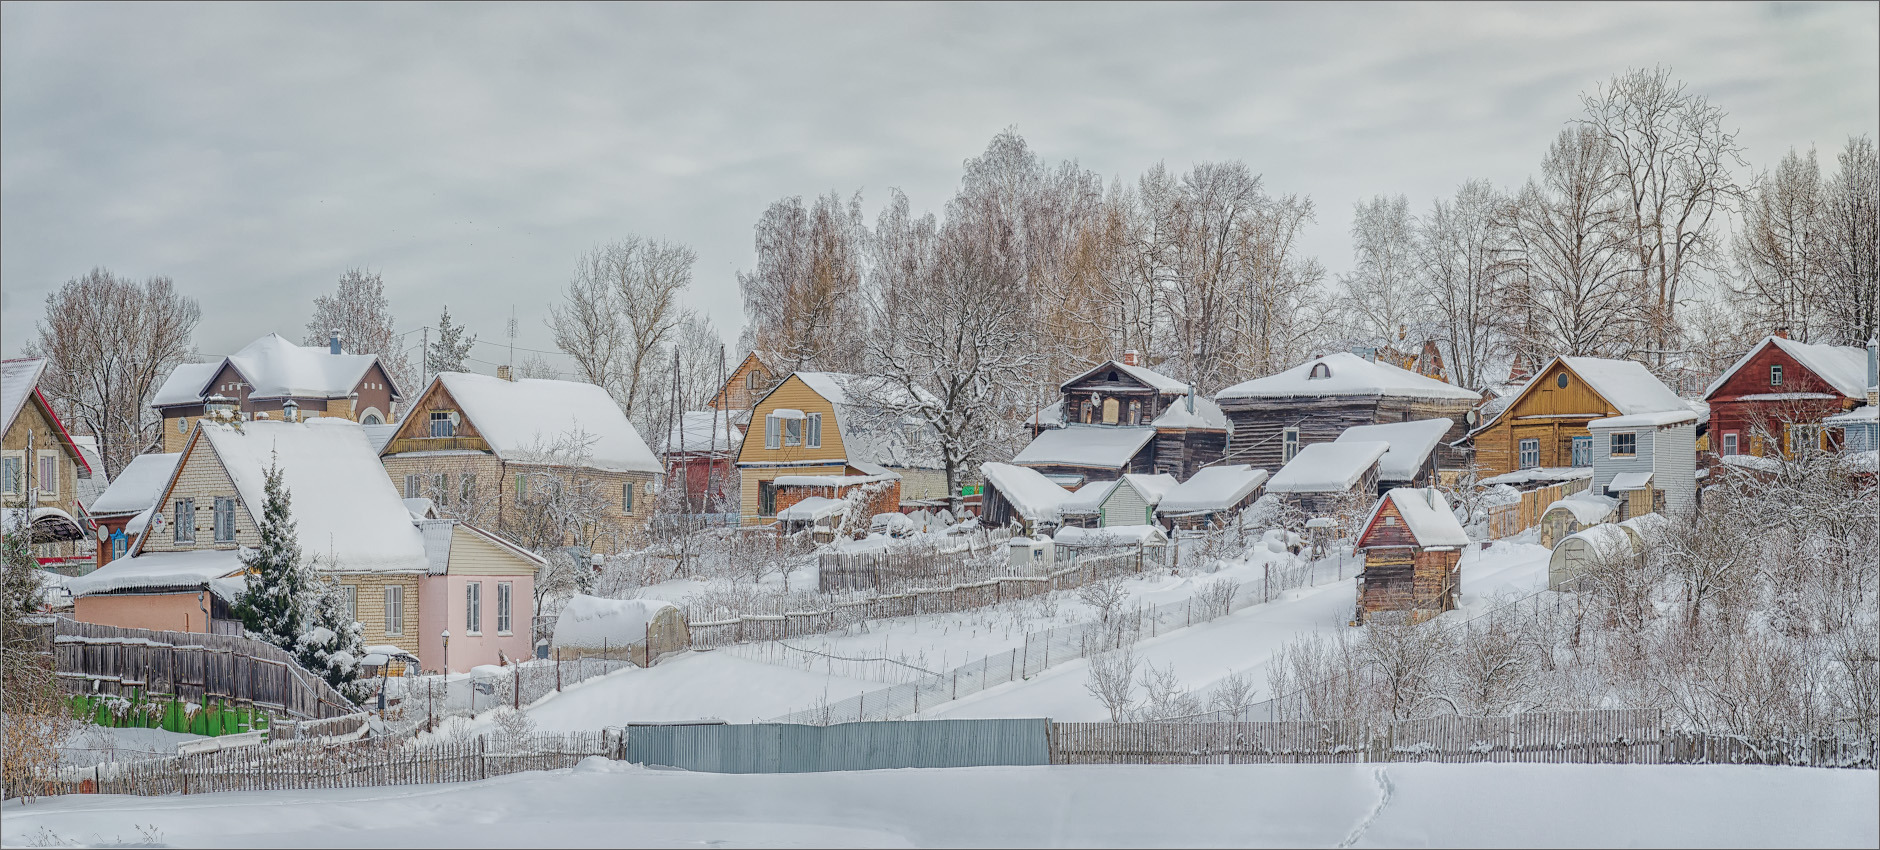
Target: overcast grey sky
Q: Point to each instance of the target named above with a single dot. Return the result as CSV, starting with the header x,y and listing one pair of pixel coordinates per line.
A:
x,y
470,153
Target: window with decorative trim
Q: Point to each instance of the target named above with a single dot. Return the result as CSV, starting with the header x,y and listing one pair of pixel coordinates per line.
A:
x,y
1530,453
1288,444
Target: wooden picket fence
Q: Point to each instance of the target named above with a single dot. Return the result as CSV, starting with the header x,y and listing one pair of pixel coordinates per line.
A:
x,y
898,565
1512,519
368,763
1602,736
191,666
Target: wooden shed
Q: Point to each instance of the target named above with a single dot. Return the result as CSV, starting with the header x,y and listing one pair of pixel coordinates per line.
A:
x,y
1412,547
1325,477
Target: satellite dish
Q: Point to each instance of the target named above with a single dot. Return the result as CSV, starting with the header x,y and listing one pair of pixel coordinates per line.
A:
x,y
1470,417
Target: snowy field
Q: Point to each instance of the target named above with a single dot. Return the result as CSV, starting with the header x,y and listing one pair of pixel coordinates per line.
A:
x,y
602,803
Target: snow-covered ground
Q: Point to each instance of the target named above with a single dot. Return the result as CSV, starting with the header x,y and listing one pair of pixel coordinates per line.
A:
x,y
618,805
89,745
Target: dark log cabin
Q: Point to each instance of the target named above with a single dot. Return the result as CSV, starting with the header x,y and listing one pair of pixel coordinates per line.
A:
x,y
1272,418
1412,547
1122,417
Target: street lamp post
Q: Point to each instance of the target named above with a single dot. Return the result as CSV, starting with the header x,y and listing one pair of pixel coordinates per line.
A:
x,y
447,655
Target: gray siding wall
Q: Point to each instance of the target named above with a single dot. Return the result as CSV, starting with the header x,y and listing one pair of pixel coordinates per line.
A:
x,y
1674,464
792,748
1605,466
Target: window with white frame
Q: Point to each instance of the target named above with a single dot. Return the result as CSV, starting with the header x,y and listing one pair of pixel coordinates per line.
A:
x,y
522,485
813,437
441,424
394,609
773,433
1582,451
1803,436
349,601
48,480
1288,444
1530,453
793,432
224,519
1729,443
185,524
626,498
1624,444
473,607
13,474
505,591
1775,375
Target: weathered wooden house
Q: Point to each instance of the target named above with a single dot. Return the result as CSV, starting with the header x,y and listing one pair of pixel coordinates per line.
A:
x,y
1412,548
835,425
1411,461
1212,497
1325,478
1544,427
40,469
488,450
1276,417
1122,417
1782,392
124,511
274,379
1022,497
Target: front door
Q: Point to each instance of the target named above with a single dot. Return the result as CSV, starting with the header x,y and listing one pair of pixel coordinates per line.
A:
x,y
766,498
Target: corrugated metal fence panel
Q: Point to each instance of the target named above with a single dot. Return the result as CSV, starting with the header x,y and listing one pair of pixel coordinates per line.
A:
x,y
876,745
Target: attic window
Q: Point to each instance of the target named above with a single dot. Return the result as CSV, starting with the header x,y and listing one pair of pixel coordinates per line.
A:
x,y
1561,380
1113,378
1775,375
1390,520
1319,370
443,423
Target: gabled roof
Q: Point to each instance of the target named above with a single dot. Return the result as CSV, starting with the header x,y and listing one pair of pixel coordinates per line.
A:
x,y
1350,375
137,485
871,431
1410,444
1625,384
1159,382
521,420
1843,367
19,381
1100,446
275,368
1327,467
1152,487
1426,516
346,512
1031,494
1213,488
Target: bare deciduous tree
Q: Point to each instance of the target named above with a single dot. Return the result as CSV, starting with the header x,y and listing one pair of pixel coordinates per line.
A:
x,y
358,309
1380,292
109,344
1460,260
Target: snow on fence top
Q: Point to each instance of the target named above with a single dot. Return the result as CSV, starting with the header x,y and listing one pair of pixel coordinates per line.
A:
x,y
1345,374
1213,488
1843,367
587,621
1102,446
522,419
1426,515
1410,444
1032,495
137,485
1327,467
347,514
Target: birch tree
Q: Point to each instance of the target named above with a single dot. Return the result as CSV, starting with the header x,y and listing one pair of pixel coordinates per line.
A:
x,y
358,310
1852,245
1459,259
1380,291
109,343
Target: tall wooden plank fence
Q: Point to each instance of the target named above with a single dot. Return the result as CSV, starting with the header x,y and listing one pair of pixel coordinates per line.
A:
x,y
97,659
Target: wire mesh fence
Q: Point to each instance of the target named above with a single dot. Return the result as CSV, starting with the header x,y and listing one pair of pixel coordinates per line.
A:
x,y
424,701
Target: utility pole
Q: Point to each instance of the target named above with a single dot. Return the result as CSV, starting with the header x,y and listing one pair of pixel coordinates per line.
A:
x,y
512,340
424,358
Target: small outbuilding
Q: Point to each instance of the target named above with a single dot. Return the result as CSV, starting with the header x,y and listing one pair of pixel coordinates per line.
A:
x,y
1412,547
1020,496
640,630
1212,498
1606,541
1325,475
1574,514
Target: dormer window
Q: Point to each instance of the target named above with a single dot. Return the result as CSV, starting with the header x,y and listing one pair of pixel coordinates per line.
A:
x,y
1319,370
1113,377
443,423
1775,376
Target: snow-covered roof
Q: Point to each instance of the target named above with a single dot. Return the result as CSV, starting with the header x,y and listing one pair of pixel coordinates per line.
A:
x,y
1327,467
1625,384
523,419
1349,375
274,368
1843,367
813,509
1647,525
346,511
702,431
137,486
1088,499
1606,539
1112,535
1207,414
1628,481
1152,487
1586,506
158,569
833,480
1410,444
1213,488
421,508
1865,415
1032,495
871,430
90,487
378,435
1426,515
1104,446
1646,420
1538,474
1162,383
590,620
1049,416
1760,464
18,378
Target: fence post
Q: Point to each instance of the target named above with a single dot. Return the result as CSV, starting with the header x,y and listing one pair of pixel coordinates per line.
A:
x,y
518,693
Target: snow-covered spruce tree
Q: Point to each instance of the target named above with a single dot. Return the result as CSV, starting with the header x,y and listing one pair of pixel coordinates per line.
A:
x,y
273,607
448,352
332,646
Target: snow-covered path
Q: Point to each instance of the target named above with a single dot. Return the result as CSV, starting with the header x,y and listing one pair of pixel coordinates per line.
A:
x,y
610,804
1246,640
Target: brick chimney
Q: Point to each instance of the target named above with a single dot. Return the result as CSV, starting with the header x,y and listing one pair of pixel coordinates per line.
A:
x,y
332,341
1782,331
504,373
1131,358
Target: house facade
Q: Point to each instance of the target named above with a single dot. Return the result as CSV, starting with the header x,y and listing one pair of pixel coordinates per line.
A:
x,y
1545,426
1412,548
821,425
1121,417
272,378
1774,399
1276,417
1647,461
124,510
514,455
756,375
40,468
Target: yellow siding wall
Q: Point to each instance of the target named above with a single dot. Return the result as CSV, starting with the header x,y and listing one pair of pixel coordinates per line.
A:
x,y
1497,449
473,554
794,395
370,588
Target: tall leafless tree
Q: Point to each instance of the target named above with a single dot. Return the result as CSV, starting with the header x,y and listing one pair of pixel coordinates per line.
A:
x,y
358,309
1852,242
109,343
1781,250
1461,262
803,297
1380,292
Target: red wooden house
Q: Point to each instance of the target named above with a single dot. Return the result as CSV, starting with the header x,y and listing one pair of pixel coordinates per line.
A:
x,y
1412,548
1772,400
